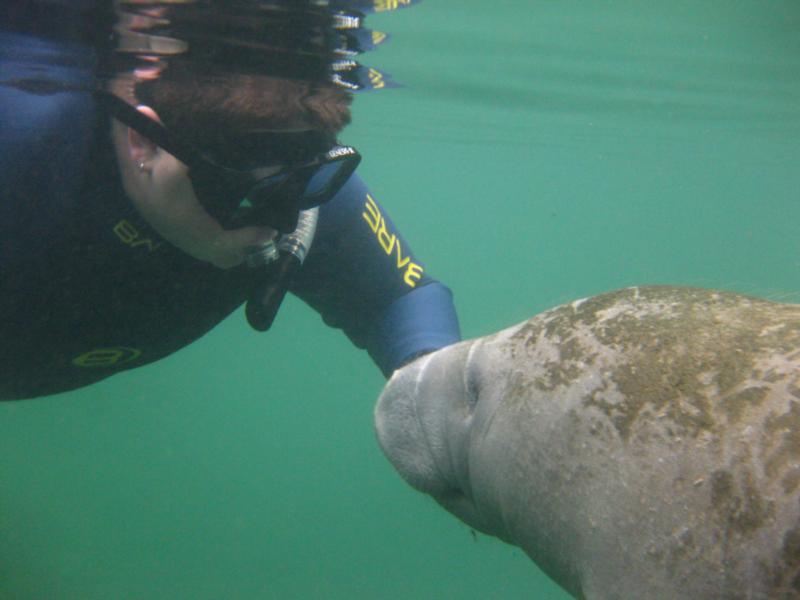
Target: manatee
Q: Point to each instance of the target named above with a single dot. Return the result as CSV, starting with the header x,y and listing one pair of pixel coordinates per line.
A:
x,y
643,443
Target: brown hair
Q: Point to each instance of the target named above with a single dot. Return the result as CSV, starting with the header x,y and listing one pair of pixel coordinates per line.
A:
x,y
211,110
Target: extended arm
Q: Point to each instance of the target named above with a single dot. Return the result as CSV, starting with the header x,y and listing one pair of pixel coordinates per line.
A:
x,y
362,277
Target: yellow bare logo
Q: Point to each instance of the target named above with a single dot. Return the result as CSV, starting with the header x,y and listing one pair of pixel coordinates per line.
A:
x,y
390,244
130,236
376,79
107,357
382,5
378,37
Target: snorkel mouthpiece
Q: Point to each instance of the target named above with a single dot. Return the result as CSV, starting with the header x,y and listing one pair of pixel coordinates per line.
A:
x,y
278,263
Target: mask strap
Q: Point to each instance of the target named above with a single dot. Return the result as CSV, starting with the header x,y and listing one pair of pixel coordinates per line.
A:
x,y
152,130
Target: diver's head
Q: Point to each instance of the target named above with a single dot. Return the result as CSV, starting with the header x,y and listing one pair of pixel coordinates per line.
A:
x,y
234,129
238,91
266,139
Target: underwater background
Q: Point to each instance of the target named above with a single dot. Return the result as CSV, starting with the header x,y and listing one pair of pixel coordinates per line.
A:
x,y
539,152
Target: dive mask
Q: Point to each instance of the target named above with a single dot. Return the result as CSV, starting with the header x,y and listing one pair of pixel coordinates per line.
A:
x,y
269,195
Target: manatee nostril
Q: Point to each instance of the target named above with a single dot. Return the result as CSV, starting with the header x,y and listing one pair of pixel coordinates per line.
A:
x,y
471,381
472,389
452,495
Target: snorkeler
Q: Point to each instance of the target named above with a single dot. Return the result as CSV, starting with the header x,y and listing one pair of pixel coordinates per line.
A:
x,y
123,232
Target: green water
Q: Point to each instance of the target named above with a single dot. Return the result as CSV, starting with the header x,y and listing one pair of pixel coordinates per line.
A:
x,y
540,152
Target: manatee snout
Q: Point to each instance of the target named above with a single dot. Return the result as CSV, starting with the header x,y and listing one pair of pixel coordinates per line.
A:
x,y
423,421
400,429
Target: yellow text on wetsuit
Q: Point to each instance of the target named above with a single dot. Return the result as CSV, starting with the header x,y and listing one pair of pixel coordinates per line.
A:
x,y
130,236
376,79
389,242
382,5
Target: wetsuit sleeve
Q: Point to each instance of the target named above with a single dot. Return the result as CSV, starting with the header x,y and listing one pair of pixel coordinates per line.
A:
x,y
44,139
362,277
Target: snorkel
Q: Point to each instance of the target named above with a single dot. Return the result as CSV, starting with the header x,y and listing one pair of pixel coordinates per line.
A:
x,y
278,262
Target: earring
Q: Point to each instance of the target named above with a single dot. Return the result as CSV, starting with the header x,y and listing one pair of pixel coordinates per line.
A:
x,y
141,166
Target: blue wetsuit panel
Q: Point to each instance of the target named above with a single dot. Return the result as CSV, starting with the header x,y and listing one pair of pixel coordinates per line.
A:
x,y
421,321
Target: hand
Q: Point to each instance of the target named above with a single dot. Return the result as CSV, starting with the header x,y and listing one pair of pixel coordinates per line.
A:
x,y
168,202
161,190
